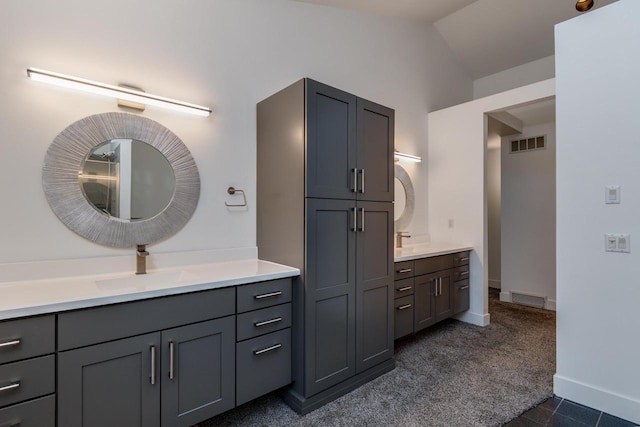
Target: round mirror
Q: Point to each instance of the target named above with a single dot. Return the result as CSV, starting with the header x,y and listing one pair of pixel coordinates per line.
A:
x,y
404,202
400,199
127,179
120,180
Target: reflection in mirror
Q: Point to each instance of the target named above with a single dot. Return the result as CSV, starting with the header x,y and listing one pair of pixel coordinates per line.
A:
x,y
400,199
127,179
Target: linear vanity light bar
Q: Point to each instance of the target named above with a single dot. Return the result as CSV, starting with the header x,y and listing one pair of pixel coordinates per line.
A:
x,y
115,91
408,157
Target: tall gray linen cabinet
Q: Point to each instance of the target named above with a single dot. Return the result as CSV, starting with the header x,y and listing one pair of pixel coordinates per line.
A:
x,y
325,205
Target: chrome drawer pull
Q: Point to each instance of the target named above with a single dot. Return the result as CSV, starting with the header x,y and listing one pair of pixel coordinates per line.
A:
x,y
406,288
268,322
405,270
462,288
463,259
269,295
10,343
264,350
404,307
10,387
463,273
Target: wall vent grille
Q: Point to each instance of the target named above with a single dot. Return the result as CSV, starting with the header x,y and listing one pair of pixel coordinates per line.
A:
x,y
528,144
527,299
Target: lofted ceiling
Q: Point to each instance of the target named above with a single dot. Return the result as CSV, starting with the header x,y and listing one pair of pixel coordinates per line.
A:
x,y
486,36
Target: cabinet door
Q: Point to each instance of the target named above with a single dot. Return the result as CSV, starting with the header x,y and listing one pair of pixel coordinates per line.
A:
x,y
331,142
444,300
330,292
424,314
374,285
198,365
111,384
375,151
460,296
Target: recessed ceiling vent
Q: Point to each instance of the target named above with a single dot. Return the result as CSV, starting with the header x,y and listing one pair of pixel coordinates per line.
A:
x,y
528,144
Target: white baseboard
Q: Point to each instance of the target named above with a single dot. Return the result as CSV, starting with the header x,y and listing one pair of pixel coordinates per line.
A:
x,y
505,296
474,318
496,284
603,400
550,304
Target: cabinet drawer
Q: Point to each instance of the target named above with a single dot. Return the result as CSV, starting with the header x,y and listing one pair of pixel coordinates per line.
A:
x,y
101,324
263,294
460,296
403,287
260,322
403,316
25,380
263,364
26,338
461,258
433,264
461,273
403,270
34,413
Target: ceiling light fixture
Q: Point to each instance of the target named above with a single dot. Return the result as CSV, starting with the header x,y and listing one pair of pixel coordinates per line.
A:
x,y
408,157
117,92
584,5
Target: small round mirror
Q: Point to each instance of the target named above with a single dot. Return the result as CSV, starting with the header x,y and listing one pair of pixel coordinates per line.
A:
x,y
127,179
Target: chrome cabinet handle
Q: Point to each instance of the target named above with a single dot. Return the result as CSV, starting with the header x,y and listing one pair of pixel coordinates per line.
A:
x,y
463,273
405,270
362,219
404,307
362,180
172,348
355,219
153,365
404,289
462,288
265,350
10,386
355,180
10,343
440,285
269,295
463,259
268,322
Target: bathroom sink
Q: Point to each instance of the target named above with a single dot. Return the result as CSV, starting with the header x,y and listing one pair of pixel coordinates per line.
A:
x,y
140,282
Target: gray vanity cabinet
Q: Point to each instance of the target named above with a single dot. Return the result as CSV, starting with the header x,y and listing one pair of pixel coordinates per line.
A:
x,y
324,193
116,383
433,298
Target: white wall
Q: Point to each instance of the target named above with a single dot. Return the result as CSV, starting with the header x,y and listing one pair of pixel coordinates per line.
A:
x,y
227,54
531,72
494,212
457,188
598,333
529,217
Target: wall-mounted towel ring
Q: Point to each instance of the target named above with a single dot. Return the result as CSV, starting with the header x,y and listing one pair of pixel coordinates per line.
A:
x,y
233,191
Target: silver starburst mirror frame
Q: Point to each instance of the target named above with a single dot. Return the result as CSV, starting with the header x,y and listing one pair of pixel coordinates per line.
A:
x,y
65,158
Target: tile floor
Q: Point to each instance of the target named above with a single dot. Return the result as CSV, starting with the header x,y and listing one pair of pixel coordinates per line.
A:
x,y
557,412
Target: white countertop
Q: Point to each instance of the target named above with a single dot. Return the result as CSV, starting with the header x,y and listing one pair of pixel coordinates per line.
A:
x,y
424,250
28,298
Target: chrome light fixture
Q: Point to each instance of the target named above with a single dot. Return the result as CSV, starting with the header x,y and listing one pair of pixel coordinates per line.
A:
x,y
408,157
584,5
118,92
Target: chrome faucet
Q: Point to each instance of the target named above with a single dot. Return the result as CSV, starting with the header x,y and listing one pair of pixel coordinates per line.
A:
x,y
399,236
141,259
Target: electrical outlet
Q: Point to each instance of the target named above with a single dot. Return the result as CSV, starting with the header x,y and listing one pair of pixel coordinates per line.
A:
x,y
610,243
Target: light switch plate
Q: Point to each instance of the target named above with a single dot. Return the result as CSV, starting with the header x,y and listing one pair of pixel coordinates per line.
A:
x,y
610,243
612,194
624,243
617,242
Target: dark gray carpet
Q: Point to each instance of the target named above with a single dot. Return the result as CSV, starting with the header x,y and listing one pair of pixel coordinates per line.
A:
x,y
452,374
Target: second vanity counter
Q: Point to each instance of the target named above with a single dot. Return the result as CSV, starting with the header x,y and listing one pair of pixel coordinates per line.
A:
x,y
427,250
